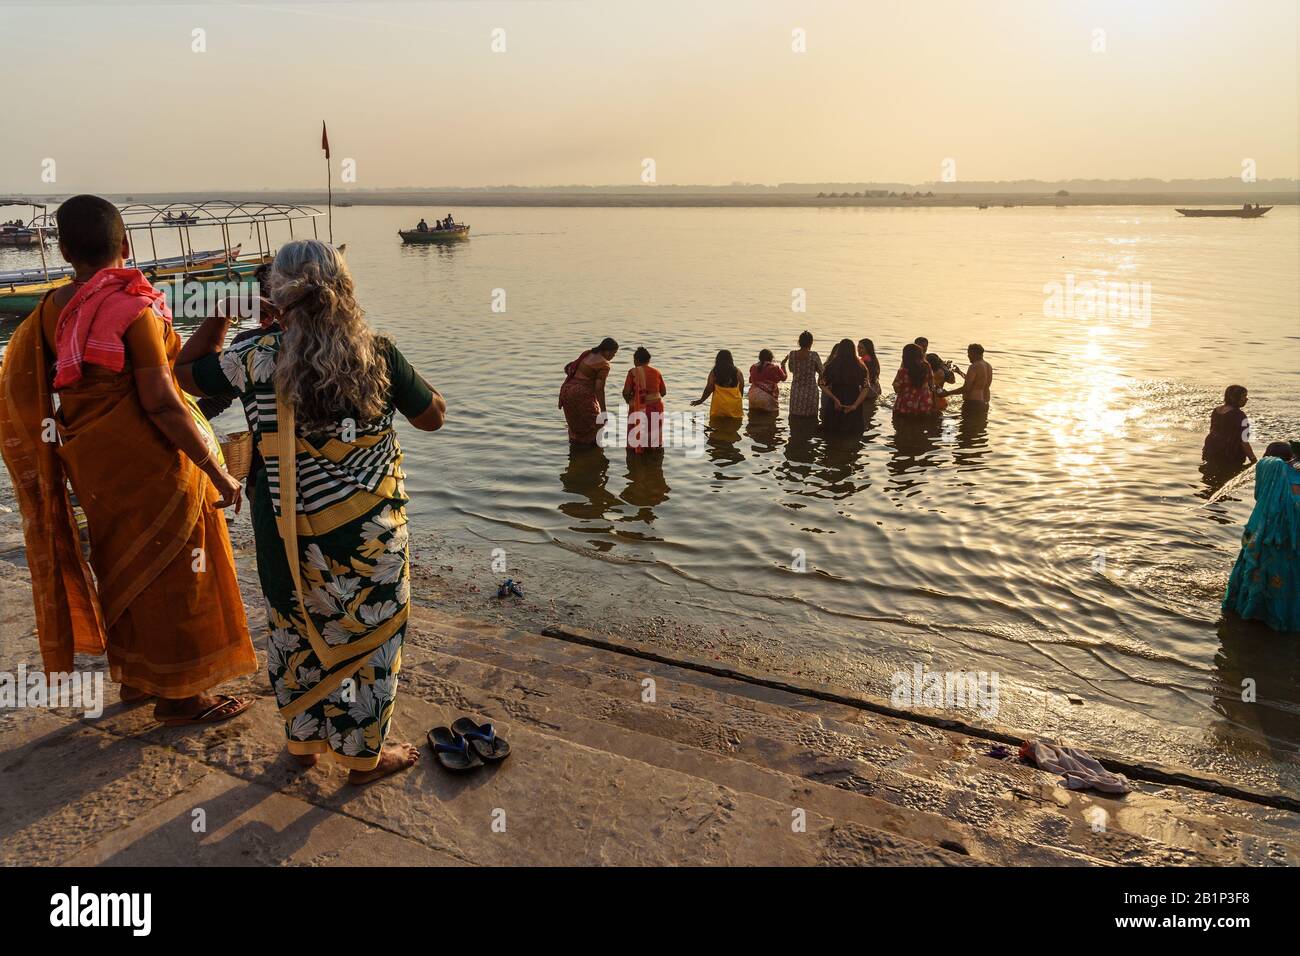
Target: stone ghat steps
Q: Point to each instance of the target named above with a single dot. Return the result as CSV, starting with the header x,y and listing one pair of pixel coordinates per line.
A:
x,y
557,801
906,778
485,672
120,789
562,798
713,771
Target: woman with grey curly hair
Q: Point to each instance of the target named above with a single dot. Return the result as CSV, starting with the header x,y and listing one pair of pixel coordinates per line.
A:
x,y
329,509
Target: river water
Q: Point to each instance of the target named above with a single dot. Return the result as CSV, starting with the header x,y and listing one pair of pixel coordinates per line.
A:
x,y
1065,540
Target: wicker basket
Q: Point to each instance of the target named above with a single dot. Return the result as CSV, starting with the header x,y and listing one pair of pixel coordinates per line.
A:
x,y
237,449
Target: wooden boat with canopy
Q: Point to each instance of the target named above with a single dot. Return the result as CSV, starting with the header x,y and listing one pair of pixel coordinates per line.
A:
x,y
154,228
20,233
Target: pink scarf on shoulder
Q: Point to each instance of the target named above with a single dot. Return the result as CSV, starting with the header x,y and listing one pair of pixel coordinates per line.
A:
x,y
91,326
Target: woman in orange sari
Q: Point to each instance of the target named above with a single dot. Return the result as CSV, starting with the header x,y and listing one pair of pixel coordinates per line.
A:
x,y
164,602
644,392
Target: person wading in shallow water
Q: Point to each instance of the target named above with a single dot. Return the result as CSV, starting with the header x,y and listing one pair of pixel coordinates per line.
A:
x,y
977,380
1227,445
582,396
846,385
723,388
867,356
644,392
329,508
914,383
164,603
765,378
805,366
1265,581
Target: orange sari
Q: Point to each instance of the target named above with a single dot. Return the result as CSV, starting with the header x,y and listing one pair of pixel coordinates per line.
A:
x,y
164,602
646,411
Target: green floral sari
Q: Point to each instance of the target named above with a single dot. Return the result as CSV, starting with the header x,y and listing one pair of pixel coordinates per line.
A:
x,y
334,569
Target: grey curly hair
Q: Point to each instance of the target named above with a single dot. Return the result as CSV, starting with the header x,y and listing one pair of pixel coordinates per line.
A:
x,y
331,365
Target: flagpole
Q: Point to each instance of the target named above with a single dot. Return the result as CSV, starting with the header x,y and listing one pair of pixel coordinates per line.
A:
x,y
329,182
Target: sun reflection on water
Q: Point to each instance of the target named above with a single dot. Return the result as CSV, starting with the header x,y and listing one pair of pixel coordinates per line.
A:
x,y
1090,417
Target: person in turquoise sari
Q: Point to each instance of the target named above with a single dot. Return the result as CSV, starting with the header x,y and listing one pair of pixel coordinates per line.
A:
x,y
1265,581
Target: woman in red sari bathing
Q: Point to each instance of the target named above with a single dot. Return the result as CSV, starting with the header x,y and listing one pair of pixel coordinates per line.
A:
x,y
644,392
914,384
765,378
582,396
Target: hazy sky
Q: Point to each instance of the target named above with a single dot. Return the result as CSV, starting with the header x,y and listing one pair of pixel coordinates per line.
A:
x,y
115,94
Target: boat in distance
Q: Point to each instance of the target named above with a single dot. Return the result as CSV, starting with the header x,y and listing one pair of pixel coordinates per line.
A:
x,y
1245,212
425,236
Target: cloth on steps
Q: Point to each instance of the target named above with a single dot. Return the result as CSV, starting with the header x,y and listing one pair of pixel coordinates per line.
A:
x,y
1081,772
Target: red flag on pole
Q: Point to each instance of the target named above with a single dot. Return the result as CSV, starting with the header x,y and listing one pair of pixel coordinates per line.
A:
x,y
329,184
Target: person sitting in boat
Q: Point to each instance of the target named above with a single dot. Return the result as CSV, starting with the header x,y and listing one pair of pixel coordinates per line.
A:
x,y
422,226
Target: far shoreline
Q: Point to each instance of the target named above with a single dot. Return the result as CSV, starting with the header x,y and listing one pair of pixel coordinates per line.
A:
x,y
651,198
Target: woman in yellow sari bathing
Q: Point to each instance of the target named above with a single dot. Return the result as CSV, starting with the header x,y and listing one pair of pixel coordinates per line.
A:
x,y
329,509
163,601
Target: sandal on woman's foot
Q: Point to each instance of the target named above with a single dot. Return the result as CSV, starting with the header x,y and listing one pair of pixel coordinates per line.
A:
x,y
483,738
225,708
453,751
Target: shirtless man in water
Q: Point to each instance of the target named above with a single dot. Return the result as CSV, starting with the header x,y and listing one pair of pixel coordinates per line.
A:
x,y
978,379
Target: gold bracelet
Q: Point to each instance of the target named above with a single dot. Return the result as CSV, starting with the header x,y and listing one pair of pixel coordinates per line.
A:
x,y
206,458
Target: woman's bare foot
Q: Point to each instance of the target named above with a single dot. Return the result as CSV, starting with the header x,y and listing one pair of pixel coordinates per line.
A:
x,y
392,758
132,695
306,760
188,708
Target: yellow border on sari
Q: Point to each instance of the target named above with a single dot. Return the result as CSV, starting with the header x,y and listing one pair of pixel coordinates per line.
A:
x,y
285,453
331,681
337,515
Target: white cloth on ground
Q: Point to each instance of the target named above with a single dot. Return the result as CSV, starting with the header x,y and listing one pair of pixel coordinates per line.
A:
x,y
1081,771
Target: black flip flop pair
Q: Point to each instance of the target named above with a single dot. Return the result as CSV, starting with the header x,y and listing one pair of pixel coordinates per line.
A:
x,y
467,745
